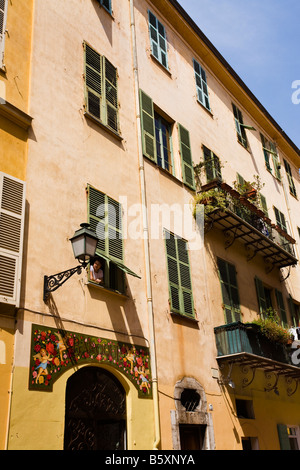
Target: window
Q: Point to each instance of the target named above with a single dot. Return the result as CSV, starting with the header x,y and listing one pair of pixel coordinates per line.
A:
x,y
106,4
163,143
294,312
158,40
212,165
290,178
230,294
281,308
101,89
240,127
288,437
201,85
280,220
263,297
105,219
270,153
180,284
3,15
244,409
156,141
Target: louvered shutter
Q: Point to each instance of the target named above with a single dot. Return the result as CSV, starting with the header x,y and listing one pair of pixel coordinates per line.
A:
x,y
12,214
158,40
93,82
283,437
3,13
262,302
148,126
281,307
290,178
275,161
186,157
114,229
229,288
111,95
212,165
180,285
264,206
97,216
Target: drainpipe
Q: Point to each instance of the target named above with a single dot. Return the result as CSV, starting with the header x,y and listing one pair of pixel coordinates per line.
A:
x,y
145,234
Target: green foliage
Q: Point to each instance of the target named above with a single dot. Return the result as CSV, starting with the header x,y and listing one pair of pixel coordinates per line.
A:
x,y
270,327
211,199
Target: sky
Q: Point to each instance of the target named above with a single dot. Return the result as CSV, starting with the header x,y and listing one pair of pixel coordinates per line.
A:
x,y
260,39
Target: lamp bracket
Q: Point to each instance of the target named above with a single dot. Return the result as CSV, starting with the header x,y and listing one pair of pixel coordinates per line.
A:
x,y
51,283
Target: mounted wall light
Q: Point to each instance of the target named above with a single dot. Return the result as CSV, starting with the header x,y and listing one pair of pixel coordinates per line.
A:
x,y
84,243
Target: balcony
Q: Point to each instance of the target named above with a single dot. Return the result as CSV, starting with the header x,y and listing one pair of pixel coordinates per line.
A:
x,y
240,220
244,345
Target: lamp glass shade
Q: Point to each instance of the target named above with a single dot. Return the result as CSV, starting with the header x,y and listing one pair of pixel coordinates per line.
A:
x,y
84,243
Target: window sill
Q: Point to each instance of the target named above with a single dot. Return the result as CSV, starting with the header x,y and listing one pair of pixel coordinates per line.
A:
x,y
184,317
205,108
165,69
15,115
106,289
103,126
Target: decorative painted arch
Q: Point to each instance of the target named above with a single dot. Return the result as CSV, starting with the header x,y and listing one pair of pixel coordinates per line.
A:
x,y
53,352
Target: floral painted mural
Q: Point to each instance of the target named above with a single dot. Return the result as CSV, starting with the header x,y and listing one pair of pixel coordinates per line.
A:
x,y
54,351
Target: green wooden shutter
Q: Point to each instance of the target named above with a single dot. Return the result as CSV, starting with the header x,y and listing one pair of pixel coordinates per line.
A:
x,y
262,302
275,161
111,95
97,216
180,285
283,437
266,152
158,39
264,206
239,124
148,126
292,311
114,229
281,307
201,84
212,165
93,81
229,288
186,157
290,178
280,219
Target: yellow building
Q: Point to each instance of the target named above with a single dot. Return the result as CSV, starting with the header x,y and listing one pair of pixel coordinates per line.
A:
x,y
15,51
139,116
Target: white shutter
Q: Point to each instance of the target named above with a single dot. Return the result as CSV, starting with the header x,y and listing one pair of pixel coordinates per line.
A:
x,y
12,213
3,13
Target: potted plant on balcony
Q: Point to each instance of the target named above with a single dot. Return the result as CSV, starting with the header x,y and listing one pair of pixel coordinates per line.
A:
x,y
250,190
213,199
271,328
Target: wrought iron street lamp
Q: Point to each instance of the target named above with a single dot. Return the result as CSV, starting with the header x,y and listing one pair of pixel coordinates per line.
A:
x,y
84,243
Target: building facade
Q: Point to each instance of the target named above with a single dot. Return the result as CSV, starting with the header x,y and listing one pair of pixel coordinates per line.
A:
x,y
143,131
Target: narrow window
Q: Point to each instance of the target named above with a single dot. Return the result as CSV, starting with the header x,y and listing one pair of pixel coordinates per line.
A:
x,y
230,293
263,296
240,127
280,219
290,178
212,165
163,143
281,308
188,176
180,284
3,15
270,154
201,84
158,40
294,312
101,89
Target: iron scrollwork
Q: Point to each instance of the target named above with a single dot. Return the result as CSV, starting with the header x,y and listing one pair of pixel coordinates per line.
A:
x,y
51,283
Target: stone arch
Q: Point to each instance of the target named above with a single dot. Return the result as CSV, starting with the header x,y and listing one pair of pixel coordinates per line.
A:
x,y
189,390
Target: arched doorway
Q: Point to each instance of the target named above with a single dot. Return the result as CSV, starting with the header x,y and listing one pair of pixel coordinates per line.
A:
x,y
95,417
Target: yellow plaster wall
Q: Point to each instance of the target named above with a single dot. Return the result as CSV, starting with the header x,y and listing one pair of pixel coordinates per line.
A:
x,y
6,368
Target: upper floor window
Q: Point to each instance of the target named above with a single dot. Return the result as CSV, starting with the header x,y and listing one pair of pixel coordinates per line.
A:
x,y
230,293
3,14
101,89
290,178
105,219
106,4
212,165
280,219
157,141
180,283
158,40
201,85
240,127
271,155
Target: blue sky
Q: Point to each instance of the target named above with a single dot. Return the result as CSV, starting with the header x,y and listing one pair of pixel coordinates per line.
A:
x,y
260,39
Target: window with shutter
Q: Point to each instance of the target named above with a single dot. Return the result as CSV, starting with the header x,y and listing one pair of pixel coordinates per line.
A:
x,y
186,157
294,309
148,126
281,307
101,89
280,219
180,284
12,214
105,219
290,178
240,127
230,294
201,84
212,165
158,40
270,153
3,15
